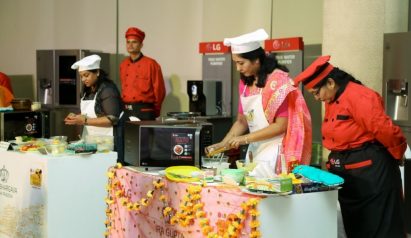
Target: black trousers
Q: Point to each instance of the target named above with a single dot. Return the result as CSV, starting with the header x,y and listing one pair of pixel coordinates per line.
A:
x,y
144,111
371,197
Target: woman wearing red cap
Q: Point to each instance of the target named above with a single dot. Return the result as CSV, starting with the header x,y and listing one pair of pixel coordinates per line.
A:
x,y
365,150
142,82
273,117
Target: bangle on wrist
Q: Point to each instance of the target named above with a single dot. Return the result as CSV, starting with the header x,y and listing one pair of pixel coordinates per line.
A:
x,y
246,140
85,120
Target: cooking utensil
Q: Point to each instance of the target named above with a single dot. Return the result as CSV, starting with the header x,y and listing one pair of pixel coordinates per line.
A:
x,y
212,153
183,115
21,104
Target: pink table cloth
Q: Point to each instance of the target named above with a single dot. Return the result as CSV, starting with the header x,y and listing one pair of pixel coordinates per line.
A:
x,y
149,222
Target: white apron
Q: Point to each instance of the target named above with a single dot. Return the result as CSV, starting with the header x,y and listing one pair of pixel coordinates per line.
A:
x,y
87,108
264,152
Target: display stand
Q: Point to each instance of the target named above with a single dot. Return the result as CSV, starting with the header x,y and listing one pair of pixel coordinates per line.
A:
x,y
217,67
288,52
53,196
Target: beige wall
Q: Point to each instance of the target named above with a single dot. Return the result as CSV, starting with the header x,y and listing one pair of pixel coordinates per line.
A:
x,y
174,29
354,34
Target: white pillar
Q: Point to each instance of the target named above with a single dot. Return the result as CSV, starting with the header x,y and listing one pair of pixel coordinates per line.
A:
x,y
353,34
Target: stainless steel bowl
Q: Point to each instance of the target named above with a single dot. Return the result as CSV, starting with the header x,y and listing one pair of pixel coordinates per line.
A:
x,y
183,115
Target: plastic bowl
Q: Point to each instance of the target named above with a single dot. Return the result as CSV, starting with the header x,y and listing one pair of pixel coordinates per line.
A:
x,y
210,162
56,149
245,166
58,139
236,174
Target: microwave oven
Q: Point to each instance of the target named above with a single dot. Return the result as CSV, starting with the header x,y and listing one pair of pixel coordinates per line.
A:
x,y
156,145
24,123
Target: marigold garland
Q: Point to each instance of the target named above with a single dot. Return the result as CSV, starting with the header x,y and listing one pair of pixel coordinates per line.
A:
x,y
191,208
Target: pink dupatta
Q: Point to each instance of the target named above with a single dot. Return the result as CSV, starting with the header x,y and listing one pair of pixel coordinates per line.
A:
x,y
297,142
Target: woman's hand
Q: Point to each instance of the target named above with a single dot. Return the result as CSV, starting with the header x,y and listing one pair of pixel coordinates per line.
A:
x,y
236,141
73,119
216,148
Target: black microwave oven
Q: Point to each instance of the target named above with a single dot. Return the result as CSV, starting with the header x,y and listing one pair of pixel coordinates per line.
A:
x,y
24,123
155,145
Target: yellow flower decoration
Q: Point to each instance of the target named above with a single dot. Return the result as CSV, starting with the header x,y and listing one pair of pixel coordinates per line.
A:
x,y
196,197
144,202
253,202
254,213
167,211
119,165
244,206
173,220
206,229
119,193
255,234
123,201
212,235
163,198
254,224
110,174
136,206
200,214
109,201
130,206
150,193
198,206
194,189
204,221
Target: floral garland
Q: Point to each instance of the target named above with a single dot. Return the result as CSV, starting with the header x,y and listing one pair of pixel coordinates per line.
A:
x,y
191,208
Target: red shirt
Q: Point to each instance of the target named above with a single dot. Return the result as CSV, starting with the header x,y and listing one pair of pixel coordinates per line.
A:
x,y
358,116
142,81
5,82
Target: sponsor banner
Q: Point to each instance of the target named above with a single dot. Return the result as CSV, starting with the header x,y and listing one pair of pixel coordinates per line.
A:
x,y
22,207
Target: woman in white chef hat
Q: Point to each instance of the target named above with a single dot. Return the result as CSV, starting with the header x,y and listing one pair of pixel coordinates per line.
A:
x,y
101,105
273,117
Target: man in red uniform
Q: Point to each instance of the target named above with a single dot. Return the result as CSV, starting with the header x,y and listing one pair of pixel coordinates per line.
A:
x,y
6,92
5,82
365,149
142,82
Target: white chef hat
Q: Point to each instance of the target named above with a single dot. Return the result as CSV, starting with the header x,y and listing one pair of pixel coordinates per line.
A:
x,y
247,42
87,63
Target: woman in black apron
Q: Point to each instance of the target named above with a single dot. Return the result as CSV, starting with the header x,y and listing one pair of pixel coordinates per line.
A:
x,y
366,148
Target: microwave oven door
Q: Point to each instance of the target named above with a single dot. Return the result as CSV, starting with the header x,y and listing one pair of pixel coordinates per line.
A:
x,y
34,124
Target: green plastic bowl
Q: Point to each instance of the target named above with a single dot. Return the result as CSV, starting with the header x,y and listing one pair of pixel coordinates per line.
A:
x,y
236,174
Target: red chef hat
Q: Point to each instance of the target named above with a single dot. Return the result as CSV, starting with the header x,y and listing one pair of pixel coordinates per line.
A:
x,y
135,33
314,73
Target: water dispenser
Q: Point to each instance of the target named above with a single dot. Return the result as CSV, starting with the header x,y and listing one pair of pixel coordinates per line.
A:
x,y
397,99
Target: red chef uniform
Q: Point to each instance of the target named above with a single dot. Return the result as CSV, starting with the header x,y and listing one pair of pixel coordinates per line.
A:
x,y
142,82
365,148
5,82
358,116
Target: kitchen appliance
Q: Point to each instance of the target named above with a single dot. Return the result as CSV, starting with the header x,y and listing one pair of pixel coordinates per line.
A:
x,y
155,144
205,97
196,97
20,123
396,80
59,87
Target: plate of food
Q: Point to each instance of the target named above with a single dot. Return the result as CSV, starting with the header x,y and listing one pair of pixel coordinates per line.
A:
x,y
29,148
178,149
